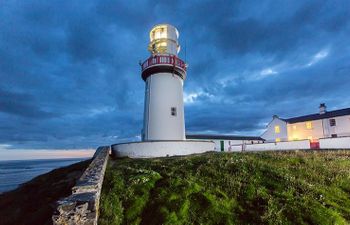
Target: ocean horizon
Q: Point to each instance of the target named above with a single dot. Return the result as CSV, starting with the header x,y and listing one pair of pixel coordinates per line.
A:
x,y
16,172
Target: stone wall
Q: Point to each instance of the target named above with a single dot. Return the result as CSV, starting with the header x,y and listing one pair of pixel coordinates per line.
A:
x,y
81,208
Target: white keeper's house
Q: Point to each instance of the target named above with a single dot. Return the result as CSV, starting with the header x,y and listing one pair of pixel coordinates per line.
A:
x,y
324,124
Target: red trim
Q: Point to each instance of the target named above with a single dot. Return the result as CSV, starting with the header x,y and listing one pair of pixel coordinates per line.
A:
x,y
163,59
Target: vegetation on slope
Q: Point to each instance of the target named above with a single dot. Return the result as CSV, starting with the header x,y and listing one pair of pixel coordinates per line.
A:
x,y
299,187
33,202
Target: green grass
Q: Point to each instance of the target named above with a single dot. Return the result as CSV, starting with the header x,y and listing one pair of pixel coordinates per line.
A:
x,y
299,187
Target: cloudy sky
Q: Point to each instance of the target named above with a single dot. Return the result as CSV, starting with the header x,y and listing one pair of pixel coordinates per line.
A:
x,y
70,77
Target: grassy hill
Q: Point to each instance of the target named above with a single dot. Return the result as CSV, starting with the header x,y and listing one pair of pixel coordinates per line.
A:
x,y
299,187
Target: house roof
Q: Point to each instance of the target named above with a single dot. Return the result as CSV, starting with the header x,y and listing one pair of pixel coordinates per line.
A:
x,y
317,116
222,137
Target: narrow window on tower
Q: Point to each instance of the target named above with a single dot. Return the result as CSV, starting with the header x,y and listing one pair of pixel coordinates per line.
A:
x,y
173,111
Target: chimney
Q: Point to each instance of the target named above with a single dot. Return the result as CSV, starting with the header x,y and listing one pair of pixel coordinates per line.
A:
x,y
323,108
275,117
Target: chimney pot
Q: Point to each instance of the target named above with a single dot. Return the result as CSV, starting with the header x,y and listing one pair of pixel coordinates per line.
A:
x,y
323,108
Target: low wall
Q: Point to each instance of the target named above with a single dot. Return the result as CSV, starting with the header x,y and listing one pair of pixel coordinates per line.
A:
x,y
152,149
227,144
335,143
287,145
81,208
235,148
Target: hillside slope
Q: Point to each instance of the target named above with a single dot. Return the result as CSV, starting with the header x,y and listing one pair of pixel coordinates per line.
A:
x,y
300,187
32,203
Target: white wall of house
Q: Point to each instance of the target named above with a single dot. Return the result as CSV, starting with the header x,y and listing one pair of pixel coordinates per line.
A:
x,y
301,131
270,134
341,128
319,129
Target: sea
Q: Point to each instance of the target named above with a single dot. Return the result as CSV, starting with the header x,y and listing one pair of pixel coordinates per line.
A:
x,y
15,172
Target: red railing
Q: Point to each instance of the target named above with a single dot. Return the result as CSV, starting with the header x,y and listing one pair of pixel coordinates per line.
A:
x,y
163,59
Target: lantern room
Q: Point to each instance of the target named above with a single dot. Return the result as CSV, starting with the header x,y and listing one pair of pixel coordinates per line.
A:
x,y
164,40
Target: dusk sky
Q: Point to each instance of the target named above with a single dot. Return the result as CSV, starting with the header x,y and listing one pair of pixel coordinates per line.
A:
x,y
70,77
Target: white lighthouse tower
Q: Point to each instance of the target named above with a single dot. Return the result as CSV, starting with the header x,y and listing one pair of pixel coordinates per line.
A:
x,y
164,74
163,132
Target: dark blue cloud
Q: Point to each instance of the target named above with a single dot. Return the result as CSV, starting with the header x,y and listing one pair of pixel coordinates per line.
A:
x,y
70,76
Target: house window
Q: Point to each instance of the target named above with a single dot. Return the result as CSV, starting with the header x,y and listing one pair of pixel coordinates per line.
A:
x,y
332,122
173,111
278,139
334,135
309,125
277,129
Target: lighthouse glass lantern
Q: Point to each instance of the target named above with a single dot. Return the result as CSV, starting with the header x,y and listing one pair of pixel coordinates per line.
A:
x,y
163,40
164,74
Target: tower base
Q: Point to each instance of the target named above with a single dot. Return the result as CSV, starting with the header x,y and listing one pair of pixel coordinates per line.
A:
x,y
153,149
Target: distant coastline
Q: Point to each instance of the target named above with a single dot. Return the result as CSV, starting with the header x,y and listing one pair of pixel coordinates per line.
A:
x,y
72,159
32,203
13,173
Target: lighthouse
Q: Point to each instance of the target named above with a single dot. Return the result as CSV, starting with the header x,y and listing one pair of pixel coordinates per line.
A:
x,y
164,74
163,132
